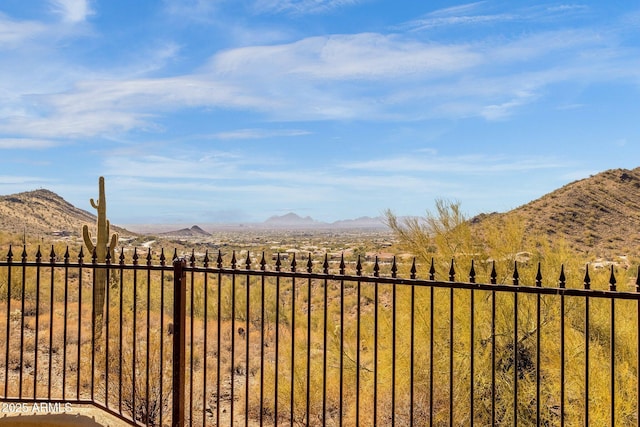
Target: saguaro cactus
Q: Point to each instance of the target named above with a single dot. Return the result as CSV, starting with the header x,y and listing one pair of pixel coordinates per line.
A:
x,y
101,247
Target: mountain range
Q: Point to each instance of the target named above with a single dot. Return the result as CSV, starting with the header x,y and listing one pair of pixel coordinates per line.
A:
x,y
600,213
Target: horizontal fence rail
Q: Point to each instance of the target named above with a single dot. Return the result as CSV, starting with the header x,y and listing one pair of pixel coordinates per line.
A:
x,y
197,341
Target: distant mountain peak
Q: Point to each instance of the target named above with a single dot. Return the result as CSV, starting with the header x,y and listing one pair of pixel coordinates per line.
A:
x,y
194,231
290,218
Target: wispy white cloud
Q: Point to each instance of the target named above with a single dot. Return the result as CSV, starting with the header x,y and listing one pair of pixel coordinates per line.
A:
x,y
258,133
13,32
369,56
465,14
301,7
72,11
476,164
25,143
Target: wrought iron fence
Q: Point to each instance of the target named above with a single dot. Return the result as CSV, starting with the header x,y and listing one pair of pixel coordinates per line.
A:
x,y
192,341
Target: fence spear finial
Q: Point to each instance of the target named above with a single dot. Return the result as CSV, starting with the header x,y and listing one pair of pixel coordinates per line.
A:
x,y
587,279
562,280
472,273
612,280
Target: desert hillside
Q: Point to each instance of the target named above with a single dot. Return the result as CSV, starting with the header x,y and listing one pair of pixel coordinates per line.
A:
x,y
42,213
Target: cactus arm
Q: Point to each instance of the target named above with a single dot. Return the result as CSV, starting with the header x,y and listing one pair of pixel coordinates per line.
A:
x,y
86,235
94,204
114,242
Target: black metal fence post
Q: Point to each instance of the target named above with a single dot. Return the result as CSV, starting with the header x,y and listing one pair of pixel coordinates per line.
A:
x,y
179,332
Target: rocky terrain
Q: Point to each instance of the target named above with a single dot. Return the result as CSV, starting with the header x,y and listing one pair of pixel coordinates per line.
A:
x,y
41,212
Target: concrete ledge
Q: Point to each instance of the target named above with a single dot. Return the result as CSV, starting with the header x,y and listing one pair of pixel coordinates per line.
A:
x,y
49,420
79,415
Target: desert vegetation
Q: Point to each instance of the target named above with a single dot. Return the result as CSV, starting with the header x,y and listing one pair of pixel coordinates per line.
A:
x,y
316,349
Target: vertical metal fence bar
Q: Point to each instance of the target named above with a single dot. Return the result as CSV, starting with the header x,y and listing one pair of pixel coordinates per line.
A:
x,y
308,404
587,336
120,329
277,345
161,367
451,366
192,341
562,361
324,341
493,358
412,344
538,355
93,324
22,306
341,413
233,340
262,338
358,314
376,309
134,397
538,341
205,342
515,350
493,281
6,357
148,338
638,351
471,357
516,282
218,338
179,332
247,341
612,287
451,345
52,259
431,354
79,341
37,331
107,335
394,317
65,324
613,361
561,285
293,348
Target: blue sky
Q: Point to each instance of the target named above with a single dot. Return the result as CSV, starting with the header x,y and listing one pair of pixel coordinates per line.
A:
x,y
202,111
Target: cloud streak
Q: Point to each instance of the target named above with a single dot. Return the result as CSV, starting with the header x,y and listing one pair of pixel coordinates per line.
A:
x,y
72,11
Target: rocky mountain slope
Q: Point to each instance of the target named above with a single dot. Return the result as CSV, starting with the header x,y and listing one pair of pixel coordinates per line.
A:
x,y
43,213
